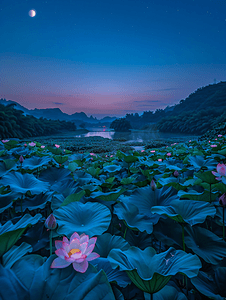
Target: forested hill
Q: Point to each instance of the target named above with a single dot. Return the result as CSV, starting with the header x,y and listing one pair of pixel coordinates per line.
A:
x,y
211,96
14,124
203,110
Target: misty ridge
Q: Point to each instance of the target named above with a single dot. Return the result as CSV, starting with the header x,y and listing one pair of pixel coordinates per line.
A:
x,y
200,112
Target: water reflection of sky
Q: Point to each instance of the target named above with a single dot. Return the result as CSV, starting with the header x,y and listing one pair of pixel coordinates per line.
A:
x,y
137,136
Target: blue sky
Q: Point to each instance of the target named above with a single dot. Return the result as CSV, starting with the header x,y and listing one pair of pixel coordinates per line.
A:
x,y
110,57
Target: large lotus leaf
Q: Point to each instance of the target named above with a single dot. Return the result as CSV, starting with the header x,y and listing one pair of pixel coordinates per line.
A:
x,y
6,200
106,242
120,277
199,161
138,239
66,188
35,162
130,158
166,293
130,213
147,262
3,169
54,175
112,168
110,196
37,237
189,211
13,288
89,218
73,198
205,244
150,271
15,253
43,282
207,177
82,177
145,198
22,183
209,287
168,232
55,151
60,159
34,202
9,233
168,180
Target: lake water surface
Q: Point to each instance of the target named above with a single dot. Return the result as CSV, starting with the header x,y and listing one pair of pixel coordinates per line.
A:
x,y
137,135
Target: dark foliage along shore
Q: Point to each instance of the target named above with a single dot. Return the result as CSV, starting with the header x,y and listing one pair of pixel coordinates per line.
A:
x,y
14,124
199,112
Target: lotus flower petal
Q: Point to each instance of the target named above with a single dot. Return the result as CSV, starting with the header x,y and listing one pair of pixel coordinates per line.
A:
x,y
82,267
59,263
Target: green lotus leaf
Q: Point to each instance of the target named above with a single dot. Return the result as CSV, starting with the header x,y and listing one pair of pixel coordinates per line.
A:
x,y
22,183
43,282
89,218
130,158
9,233
106,242
150,271
110,196
167,293
35,162
15,253
112,168
73,198
189,211
205,244
199,161
119,277
130,213
60,159
211,286
145,198
207,177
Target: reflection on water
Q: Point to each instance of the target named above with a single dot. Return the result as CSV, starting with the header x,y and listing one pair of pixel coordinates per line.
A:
x,y
137,136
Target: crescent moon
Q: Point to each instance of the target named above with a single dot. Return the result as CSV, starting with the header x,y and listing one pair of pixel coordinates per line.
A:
x,y
32,13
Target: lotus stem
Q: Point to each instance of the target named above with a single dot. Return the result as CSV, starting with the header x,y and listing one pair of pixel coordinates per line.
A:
x,y
50,241
124,236
21,204
183,236
210,193
223,224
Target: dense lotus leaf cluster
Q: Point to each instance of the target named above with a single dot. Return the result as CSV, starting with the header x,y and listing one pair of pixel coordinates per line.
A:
x,y
154,219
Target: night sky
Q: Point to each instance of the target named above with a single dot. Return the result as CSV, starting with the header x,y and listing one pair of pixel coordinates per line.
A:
x,y
107,57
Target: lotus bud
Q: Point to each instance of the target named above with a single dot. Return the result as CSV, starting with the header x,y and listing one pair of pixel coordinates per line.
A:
x,y
153,185
222,199
175,173
168,154
50,222
21,159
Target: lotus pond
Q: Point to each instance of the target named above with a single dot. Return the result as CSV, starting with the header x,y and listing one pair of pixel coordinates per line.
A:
x,y
144,224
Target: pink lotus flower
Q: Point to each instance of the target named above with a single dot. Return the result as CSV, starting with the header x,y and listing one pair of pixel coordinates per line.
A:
x,y
213,146
168,154
76,251
42,146
219,135
159,159
51,222
190,141
5,141
222,199
32,144
221,173
106,156
152,151
215,139
111,156
142,150
25,145
93,154
21,159
57,146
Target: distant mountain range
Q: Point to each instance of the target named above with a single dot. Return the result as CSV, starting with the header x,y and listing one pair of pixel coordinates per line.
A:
x,y
57,114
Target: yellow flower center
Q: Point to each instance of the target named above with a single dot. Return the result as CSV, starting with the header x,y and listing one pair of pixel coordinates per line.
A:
x,y
73,251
